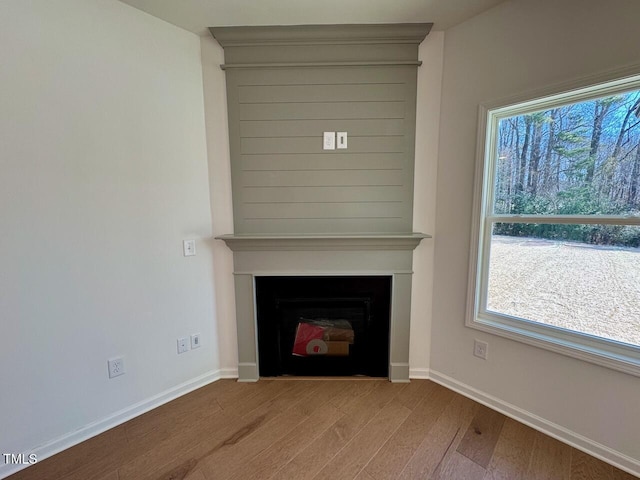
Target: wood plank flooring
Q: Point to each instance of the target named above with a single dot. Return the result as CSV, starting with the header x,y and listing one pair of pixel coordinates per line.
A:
x,y
322,429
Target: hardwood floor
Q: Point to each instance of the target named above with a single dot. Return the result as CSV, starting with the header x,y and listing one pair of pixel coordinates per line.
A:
x,y
321,429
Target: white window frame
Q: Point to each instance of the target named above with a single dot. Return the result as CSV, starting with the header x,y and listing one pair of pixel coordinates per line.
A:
x,y
601,351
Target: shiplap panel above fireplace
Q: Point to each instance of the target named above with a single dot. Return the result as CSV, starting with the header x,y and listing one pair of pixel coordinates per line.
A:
x,y
288,85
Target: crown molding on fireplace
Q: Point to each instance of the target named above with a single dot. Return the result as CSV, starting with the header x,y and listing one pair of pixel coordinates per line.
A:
x,y
408,33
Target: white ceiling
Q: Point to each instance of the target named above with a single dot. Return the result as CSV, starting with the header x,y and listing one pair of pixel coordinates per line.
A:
x,y
197,15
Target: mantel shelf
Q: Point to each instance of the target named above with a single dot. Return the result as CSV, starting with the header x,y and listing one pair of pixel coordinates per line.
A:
x,y
382,241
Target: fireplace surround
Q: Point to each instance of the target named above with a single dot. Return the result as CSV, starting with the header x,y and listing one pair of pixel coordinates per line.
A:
x,y
258,256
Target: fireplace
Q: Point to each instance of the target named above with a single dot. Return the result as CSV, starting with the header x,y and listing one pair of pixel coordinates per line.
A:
x,y
304,208
339,257
326,325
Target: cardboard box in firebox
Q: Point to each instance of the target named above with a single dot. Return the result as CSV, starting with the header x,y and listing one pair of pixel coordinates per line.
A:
x,y
323,337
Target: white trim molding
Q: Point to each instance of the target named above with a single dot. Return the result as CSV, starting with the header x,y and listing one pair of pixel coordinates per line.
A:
x,y
419,373
554,430
228,373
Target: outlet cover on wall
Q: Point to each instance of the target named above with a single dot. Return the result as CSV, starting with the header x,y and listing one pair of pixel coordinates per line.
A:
x,y
195,341
329,141
189,248
480,349
183,344
116,367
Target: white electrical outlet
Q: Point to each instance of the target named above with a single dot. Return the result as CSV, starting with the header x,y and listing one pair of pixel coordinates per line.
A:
x,y
329,141
195,341
116,367
183,344
480,349
189,248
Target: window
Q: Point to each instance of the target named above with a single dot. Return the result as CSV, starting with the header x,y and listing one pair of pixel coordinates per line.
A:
x,y
556,261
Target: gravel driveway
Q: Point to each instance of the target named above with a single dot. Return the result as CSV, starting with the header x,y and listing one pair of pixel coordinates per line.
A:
x,y
590,289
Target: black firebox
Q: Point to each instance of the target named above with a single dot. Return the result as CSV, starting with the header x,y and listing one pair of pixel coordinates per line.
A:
x,y
323,326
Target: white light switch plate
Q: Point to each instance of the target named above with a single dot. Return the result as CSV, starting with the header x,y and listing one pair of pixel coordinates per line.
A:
x,y
342,140
329,142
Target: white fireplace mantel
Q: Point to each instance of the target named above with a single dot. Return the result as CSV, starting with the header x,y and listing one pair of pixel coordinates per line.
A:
x,y
311,255
384,241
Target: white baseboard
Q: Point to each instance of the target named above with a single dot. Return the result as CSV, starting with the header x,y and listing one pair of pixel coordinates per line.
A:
x,y
91,430
228,373
556,431
419,373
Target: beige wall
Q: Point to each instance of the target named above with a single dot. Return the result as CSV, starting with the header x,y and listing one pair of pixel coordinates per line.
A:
x,y
215,105
519,46
424,200
103,172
